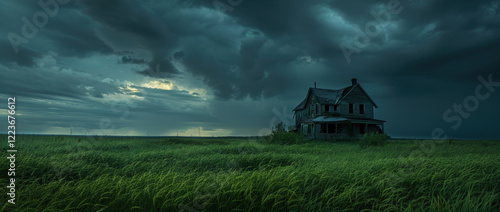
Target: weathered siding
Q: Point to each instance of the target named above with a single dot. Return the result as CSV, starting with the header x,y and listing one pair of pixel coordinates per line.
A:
x,y
310,107
356,97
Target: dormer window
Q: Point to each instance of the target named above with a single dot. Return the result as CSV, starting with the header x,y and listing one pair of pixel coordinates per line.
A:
x,y
351,108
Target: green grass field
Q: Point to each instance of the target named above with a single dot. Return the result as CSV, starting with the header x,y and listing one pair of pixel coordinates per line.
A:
x,y
172,174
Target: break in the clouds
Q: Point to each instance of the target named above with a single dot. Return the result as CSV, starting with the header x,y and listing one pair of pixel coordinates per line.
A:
x,y
220,68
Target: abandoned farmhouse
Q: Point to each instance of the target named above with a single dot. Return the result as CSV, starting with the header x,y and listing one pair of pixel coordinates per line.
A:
x,y
337,114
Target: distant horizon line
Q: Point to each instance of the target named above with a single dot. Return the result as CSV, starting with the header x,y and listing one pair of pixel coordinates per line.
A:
x,y
233,136
139,136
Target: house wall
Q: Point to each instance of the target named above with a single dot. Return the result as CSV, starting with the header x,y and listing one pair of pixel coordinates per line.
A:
x,y
356,97
308,111
300,115
304,129
312,104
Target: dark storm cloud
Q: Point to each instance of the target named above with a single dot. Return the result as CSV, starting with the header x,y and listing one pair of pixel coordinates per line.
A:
x,y
133,21
68,32
178,55
233,74
76,35
159,67
104,27
462,29
52,83
299,24
26,58
128,59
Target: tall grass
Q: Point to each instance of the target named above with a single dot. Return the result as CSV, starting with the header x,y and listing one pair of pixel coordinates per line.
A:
x,y
122,174
373,139
283,137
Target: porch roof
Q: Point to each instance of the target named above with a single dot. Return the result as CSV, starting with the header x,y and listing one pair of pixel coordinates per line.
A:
x,y
329,119
323,119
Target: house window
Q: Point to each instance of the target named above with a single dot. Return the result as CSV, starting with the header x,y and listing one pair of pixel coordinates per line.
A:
x,y
351,108
335,108
323,128
327,108
316,111
331,129
361,109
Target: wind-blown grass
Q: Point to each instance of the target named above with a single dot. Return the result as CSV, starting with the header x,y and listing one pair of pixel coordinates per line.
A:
x,y
135,174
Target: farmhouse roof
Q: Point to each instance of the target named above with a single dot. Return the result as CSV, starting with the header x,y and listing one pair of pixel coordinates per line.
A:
x,y
324,96
330,96
329,119
324,119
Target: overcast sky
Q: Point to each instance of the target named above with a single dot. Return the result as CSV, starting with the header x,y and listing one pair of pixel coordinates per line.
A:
x,y
186,67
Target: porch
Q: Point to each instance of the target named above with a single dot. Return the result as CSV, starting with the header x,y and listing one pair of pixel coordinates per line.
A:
x,y
341,128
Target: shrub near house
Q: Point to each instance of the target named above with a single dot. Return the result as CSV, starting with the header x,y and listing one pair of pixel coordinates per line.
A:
x,y
280,136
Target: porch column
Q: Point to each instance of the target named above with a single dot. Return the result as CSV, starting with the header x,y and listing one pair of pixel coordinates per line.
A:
x,y
314,130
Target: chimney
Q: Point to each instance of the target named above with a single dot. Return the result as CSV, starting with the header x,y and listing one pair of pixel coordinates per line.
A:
x,y
354,81
314,84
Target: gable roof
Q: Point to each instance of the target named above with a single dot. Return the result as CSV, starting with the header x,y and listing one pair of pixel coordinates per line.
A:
x,y
330,96
363,90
